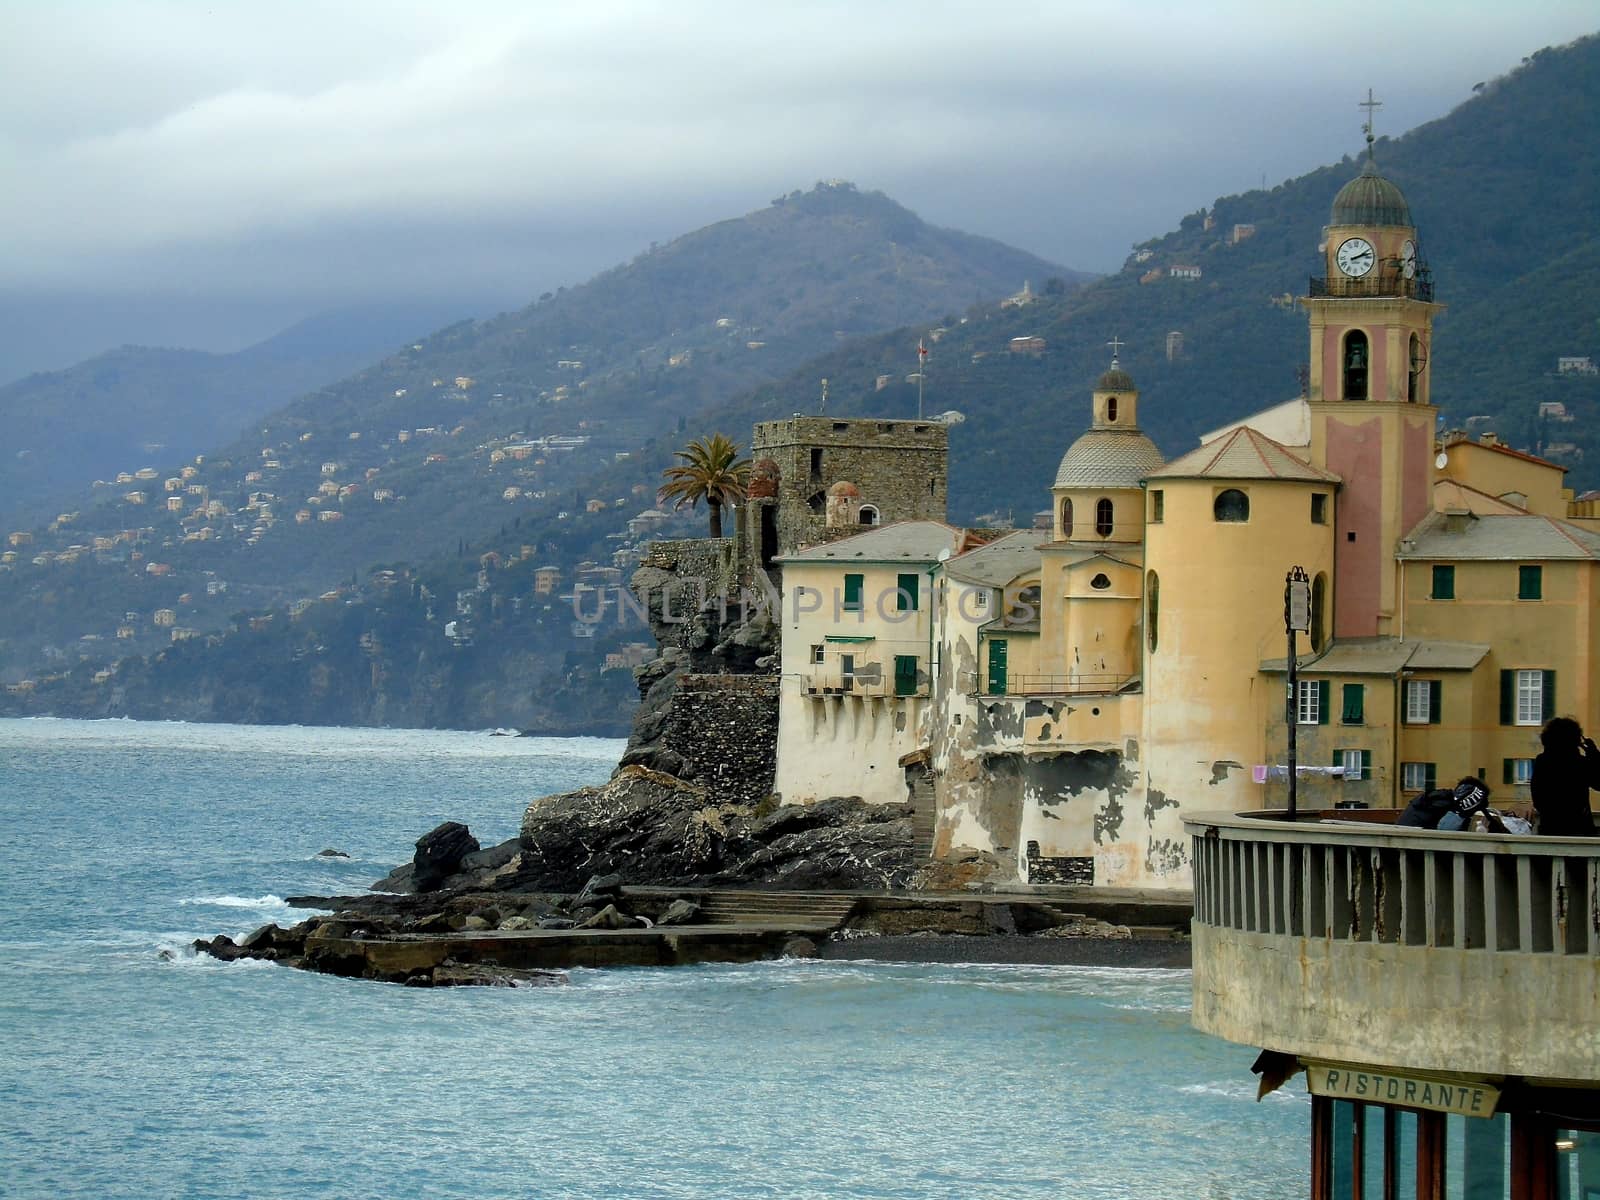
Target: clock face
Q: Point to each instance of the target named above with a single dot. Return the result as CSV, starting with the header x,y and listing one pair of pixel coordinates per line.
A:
x,y
1355,257
1408,258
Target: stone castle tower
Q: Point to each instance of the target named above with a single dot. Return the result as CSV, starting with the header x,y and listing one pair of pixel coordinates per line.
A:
x,y
816,479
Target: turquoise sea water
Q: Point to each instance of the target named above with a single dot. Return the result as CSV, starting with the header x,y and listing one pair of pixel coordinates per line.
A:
x,y
126,1075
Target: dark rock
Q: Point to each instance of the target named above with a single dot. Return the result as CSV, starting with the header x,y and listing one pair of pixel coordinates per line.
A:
x,y
491,859
330,853
166,956
439,854
221,947
517,924
556,923
598,888
680,912
402,879
799,947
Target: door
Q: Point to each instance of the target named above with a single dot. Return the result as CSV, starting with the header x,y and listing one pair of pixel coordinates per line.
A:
x,y
997,666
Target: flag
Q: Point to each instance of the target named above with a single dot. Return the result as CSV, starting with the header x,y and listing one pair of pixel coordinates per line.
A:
x,y
922,351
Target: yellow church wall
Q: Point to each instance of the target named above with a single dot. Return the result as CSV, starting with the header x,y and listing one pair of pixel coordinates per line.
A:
x,y
1220,613
1127,514
1499,471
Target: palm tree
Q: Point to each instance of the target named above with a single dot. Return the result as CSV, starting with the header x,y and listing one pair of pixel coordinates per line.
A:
x,y
712,471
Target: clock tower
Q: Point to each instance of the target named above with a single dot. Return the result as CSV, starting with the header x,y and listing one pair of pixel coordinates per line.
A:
x,y
1372,416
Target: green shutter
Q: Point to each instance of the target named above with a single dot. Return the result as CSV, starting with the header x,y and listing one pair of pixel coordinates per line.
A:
x,y
1548,696
1530,583
1323,689
1366,764
1508,697
1355,704
997,666
1338,757
907,599
852,592
1435,700
1430,776
1444,583
905,674
1508,770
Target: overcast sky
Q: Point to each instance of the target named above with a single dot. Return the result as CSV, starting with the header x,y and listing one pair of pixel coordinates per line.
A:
x,y
198,174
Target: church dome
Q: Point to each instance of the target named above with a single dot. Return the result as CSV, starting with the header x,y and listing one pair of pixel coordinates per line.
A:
x,y
1115,380
1108,458
1370,199
844,488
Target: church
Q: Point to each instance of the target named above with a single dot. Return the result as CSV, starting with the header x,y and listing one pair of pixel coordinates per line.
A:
x,y
1058,699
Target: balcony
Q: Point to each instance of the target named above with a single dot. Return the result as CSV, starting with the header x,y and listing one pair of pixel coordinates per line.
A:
x,y
1354,940
1382,283
1067,685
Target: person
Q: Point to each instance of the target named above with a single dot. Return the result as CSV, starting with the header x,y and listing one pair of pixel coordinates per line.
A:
x,y
1469,797
1427,809
1563,774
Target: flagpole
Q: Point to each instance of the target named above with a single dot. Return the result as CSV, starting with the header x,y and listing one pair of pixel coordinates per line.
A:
x,y
922,370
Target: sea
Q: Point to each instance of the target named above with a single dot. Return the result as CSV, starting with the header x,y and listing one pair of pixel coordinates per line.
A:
x,y
129,1067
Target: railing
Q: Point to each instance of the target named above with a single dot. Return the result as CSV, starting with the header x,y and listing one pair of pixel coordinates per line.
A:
x,y
1384,883
1066,685
1364,942
1379,283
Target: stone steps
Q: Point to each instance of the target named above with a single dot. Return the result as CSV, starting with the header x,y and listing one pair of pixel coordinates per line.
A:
x,y
775,908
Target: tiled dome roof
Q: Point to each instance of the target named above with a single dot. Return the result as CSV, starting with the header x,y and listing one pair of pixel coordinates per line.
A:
x,y
1110,458
1115,380
1370,199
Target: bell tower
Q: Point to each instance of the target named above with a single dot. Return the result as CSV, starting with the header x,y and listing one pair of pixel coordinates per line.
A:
x,y
1372,416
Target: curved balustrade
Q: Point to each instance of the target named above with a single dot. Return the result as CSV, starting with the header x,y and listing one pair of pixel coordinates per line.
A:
x,y
1358,940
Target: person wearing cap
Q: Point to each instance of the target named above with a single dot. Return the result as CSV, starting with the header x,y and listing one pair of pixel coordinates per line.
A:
x,y
1470,796
1562,778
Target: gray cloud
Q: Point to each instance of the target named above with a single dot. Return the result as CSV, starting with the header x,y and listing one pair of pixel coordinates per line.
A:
x,y
317,154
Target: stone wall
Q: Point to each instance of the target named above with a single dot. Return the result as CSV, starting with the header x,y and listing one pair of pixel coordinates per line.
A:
x,y
708,559
725,729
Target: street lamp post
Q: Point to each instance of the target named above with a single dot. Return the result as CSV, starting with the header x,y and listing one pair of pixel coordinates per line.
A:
x,y
1296,619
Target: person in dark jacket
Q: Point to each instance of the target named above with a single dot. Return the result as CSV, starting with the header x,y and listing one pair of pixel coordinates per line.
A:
x,y
1427,808
1562,777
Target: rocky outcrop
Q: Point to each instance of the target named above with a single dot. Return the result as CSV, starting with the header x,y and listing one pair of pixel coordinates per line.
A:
x,y
439,854
652,828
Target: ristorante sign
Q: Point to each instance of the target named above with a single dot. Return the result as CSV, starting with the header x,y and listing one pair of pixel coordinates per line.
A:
x,y
1370,1085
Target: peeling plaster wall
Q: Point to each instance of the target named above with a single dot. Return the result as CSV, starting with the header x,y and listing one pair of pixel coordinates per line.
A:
x,y
844,745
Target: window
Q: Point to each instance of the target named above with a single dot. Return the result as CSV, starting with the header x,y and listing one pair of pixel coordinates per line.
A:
x,y
1152,593
1066,519
847,671
818,502
1111,409
1518,771
816,462
869,514
1231,505
1102,517
1311,702
852,593
1158,506
1527,697
1100,582
1319,508
1422,701
905,674
1444,583
1355,365
1025,606
906,592
1354,709
1418,361
816,653
1418,776
1357,764
1530,583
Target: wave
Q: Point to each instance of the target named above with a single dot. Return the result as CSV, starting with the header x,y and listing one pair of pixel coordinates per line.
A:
x,y
236,901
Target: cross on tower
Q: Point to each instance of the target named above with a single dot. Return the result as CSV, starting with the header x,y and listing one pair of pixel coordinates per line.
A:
x,y
1116,344
1371,105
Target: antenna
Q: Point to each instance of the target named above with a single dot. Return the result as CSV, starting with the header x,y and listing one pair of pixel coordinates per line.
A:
x,y
824,407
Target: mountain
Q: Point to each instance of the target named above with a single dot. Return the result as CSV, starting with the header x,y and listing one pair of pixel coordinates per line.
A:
x,y
137,405
501,424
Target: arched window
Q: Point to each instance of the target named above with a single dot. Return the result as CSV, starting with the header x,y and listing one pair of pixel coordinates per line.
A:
x,y
1152,603
869,514
1355,365
1319,606
1111,408
1415,361
1066,519
1231,505
1100,582
1102,517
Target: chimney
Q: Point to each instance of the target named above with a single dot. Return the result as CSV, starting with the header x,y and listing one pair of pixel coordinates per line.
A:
x,y
1489,439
